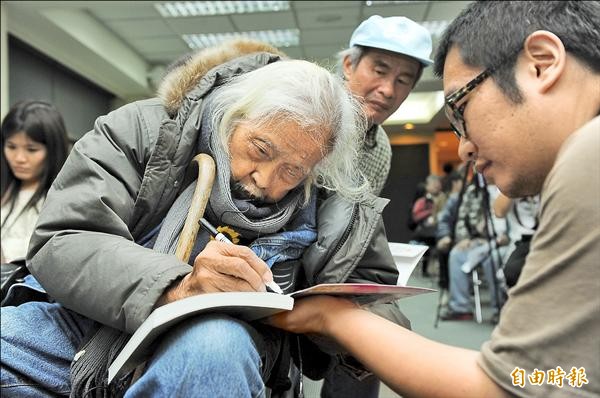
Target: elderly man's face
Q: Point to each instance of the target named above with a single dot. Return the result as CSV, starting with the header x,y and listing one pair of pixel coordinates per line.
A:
x,y
268,162
507,141
383,80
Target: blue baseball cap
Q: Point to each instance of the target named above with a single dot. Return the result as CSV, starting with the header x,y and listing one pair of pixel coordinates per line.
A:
x,y
397,34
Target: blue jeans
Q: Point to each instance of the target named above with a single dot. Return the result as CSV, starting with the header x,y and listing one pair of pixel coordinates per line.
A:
x,y
39,341
208,356
460,297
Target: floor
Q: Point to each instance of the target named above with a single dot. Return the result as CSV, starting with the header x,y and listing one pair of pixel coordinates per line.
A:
x,y
421,310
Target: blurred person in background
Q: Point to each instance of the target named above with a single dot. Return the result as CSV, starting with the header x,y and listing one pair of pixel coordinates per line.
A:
x,y
473,236
34,148
424,216
522,217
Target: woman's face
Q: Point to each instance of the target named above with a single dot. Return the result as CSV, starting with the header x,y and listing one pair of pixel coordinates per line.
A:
x,y
26,158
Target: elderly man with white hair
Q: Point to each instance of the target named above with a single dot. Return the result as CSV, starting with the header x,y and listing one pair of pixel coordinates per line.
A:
x,y
103,248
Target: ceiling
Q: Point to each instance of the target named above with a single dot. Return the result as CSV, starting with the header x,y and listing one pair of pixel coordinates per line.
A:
x,y
123,46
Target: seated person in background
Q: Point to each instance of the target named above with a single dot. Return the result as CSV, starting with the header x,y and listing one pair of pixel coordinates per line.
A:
x,y
531,124
522,218
102,249
424,215
445,236
34,148
477,240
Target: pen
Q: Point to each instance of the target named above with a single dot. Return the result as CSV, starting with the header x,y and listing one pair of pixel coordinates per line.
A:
x,y
222,238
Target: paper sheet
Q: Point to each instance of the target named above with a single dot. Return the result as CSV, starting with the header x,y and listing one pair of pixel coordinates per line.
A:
x,y
406,258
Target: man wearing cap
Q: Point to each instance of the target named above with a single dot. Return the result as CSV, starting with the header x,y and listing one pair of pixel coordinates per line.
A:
x,y
383,63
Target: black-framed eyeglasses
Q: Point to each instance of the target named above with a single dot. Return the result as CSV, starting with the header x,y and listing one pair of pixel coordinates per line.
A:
x,y
454,114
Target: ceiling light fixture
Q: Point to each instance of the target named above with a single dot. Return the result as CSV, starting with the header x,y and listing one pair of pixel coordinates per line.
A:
x,y
206,8
277,38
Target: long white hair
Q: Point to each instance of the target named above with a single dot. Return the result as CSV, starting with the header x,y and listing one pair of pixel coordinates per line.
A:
x,y
313,98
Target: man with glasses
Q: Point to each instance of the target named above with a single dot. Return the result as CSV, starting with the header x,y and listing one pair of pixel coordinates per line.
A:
x,y
523,86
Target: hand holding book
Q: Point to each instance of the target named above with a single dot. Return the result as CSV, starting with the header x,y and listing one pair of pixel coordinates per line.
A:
x,y
310,314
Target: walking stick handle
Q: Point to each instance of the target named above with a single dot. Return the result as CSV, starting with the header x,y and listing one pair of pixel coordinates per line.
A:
x,y
206,177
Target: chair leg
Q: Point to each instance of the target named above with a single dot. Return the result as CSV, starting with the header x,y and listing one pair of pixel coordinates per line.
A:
x,y
441,303
476,283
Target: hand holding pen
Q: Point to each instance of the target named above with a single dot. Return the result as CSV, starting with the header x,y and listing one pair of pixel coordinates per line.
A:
x,y
221,267
271,285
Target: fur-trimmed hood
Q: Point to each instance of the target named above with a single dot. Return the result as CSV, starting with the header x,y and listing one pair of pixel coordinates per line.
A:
x,y
183,75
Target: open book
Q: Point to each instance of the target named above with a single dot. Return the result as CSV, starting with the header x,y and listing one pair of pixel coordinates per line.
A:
x,y
251,306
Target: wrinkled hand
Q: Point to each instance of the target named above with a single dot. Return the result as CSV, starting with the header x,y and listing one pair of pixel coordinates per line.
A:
x,y
221,267
311,314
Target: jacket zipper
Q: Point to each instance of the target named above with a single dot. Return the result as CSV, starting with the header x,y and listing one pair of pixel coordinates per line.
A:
x,y
346,234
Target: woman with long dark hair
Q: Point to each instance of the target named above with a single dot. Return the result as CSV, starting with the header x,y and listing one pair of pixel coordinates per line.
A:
x,y
34,148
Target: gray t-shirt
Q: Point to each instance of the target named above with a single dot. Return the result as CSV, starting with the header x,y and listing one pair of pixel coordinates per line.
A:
x,y
551,321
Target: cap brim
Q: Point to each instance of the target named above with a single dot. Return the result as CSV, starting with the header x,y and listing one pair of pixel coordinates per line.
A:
x,y
424,61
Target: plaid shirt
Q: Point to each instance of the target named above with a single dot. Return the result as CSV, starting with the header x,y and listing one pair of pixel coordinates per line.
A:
x,y
376,158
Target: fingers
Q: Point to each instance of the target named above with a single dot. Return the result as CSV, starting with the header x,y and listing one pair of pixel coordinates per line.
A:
x,y
213,281
225,267
251,259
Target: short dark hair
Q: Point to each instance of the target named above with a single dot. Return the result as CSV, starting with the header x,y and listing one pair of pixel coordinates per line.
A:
x,y
490,34
43,123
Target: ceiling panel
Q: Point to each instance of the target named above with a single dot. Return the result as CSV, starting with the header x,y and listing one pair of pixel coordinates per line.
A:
x,y
328,18
320,5
158,44
326,36
212,24
445,10
164,58
319,52
125,10
263,21
414,11
133,28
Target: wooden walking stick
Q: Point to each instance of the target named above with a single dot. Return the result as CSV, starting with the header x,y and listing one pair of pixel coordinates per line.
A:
x,y
206,177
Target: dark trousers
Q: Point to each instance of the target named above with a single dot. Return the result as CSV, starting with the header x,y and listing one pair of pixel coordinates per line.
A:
x,y
341,384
